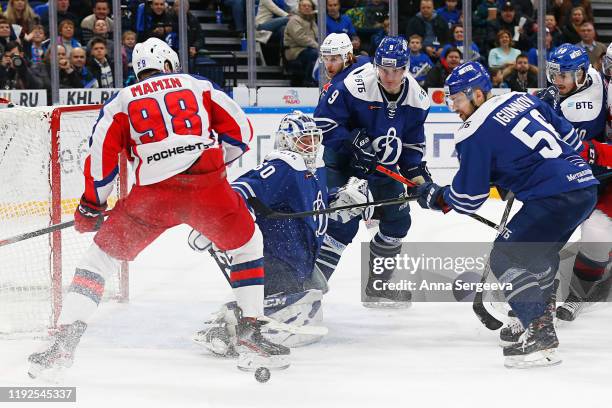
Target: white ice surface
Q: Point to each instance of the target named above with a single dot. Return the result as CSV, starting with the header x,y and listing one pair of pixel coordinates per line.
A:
x,y
431,355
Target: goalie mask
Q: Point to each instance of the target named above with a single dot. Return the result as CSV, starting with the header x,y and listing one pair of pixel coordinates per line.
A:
x,y
299,133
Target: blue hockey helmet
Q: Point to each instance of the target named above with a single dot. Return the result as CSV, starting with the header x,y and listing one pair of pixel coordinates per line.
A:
x,y
393,52
567,61
466,78
299,133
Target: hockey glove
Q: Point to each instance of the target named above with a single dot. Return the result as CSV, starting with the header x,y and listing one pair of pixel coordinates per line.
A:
x,y
431,196
418,174
88,217
198,242
589,153
550,96
364,156
354,192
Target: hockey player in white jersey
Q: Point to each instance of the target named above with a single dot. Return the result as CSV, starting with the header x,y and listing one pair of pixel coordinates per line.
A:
x,y
584,103
165,123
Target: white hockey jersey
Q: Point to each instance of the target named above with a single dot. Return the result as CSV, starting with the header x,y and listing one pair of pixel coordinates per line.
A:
x,y
164,123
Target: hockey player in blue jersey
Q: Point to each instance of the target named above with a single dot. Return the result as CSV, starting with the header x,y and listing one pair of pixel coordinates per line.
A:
x,y
517,142
582,101
336,54
374,116
292,178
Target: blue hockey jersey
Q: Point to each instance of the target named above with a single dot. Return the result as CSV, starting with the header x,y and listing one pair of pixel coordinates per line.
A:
x,y
284,184
361,60
395,127
517,142
420,64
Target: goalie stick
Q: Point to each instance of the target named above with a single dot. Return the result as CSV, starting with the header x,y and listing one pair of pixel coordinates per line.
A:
x,y
262,209
478,306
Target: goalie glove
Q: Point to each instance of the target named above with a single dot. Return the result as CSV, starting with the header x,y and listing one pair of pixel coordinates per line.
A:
x,y
88,217
354,192
198,242
418,174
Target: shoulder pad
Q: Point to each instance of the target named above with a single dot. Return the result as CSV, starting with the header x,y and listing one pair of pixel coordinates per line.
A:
x,y
417,97
474,122
575,109
294,160
362,84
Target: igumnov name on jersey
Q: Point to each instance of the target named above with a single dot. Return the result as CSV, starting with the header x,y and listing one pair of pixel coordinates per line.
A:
x,y
396,127
284,184
517,142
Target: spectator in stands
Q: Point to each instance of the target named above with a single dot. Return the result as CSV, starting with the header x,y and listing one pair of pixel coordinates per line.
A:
x,y
504,54
19,12
593,48
271,20
301,38
378,37
420,63
532,55
155,22
562,9
521,76
486,12
406,10
457,32
553,28
81,8
437,75
33,44
509,20
337,22
15,72
238,8
101,30
68,77
101,11
128,40
78,59
5,33
497,78
431,27
66,36
100,63
572,28
450,13
195,38
524,8
62,14
357,50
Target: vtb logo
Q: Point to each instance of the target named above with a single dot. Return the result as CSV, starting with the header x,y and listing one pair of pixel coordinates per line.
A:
x,y
388,148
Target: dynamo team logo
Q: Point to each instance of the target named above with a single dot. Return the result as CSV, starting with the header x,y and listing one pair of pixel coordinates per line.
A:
x,y
388,148
321,219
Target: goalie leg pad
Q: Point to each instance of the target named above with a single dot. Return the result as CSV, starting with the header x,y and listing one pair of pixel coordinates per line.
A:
x,y
329,255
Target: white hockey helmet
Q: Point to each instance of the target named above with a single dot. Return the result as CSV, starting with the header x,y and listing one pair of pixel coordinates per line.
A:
x,y
337,44
606,63
153,54
300,134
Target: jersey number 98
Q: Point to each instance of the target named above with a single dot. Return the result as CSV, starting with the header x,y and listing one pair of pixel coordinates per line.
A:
x,y
147,118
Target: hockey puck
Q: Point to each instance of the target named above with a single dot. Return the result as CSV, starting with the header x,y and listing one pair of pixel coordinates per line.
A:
x,y
262,374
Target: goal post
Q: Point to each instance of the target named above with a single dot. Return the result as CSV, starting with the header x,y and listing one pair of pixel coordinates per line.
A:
x,y
42,154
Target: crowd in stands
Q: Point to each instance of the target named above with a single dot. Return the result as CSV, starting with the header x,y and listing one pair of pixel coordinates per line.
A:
x,y
503,33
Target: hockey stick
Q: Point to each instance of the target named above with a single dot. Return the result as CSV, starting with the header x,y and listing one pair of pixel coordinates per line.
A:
x,y
220,263
37,233
404,180
262,209
478,306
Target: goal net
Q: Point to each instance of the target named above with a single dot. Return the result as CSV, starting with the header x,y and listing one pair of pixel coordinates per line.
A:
x,y
42,153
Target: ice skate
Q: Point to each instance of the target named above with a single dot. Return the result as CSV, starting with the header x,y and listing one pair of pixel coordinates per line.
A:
x,y
255,350
537,346
60,354
385,298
